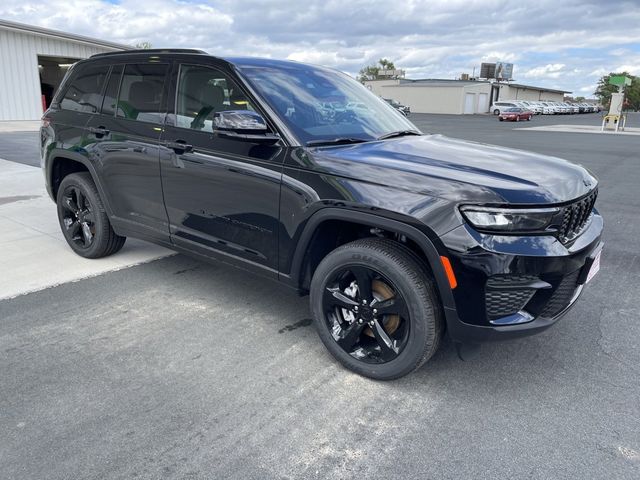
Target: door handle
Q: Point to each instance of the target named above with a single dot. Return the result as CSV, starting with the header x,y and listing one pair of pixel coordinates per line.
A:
x,y
179,146
99,132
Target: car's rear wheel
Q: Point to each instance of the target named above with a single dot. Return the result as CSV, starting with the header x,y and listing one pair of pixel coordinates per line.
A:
x,y
83,219
375,308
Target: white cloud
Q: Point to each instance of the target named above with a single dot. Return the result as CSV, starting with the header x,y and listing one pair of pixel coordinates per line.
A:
x,y
551,43
552,70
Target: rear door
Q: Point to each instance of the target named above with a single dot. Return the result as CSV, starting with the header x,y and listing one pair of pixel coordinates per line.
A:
x,y
222,195
77,103
125,143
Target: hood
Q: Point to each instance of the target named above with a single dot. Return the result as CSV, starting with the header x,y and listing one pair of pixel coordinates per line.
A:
x,y
458,170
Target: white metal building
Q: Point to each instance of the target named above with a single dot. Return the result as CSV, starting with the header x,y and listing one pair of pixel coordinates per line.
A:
x,y
457,96
516,91
33,61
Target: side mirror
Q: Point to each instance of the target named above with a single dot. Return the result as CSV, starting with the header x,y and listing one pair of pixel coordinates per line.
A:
x,y
243,125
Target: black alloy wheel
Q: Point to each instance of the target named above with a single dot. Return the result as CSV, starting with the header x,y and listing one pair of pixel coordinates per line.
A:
x,y
78,217
368,317
375,308
83,218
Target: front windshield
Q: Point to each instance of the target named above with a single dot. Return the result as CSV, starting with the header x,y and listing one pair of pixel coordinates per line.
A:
x,y
322,104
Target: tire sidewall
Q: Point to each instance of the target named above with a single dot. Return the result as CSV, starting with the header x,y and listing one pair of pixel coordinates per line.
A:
x,y
100,226
420,314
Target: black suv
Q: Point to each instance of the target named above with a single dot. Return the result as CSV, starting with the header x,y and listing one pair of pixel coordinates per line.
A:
x,y
398,236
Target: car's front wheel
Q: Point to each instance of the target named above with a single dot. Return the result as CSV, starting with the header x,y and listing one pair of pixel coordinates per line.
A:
x,y
83,219
496,112
375,308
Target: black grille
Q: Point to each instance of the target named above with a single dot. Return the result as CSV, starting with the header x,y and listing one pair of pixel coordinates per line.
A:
x,y
576,216
501,302
562,295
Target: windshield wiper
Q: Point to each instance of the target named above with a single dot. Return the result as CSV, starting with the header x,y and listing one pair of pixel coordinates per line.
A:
x,y
399,133
336,141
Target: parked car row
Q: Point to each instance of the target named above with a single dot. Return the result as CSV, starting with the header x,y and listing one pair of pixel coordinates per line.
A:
x,y
544,107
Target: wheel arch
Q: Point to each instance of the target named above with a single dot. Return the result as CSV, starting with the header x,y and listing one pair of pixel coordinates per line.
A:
x,y
300,266
62,164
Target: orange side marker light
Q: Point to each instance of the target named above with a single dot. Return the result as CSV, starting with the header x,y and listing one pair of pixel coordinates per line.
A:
x,y
453,283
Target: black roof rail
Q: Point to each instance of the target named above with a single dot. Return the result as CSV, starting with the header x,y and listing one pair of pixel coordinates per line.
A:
x,y
150,51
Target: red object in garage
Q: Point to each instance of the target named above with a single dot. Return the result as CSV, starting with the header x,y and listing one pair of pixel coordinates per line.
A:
x,y
44,103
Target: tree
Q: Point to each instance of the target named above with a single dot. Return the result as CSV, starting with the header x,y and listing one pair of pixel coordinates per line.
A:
x,y
632,92
579,99
372,72
144,45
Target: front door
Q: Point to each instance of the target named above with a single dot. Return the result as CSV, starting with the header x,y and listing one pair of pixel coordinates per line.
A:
x,y
125,144
221,195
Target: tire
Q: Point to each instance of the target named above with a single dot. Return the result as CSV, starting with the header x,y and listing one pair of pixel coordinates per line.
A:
x,y
83,219
415,333
496,112
501,119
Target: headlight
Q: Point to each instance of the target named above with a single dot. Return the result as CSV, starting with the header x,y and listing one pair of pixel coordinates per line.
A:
x,y
508,220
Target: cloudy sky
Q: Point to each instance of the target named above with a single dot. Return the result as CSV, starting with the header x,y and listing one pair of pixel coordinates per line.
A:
x,y
561,44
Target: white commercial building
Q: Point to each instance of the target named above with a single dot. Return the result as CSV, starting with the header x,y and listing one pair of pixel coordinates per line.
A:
x,y
33,61
457,96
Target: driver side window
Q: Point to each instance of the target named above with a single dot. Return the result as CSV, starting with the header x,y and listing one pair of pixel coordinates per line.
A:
x,y
203,91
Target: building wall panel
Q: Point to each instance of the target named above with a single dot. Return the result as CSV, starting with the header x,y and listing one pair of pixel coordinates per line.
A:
x,y
19,76
430,99
516,93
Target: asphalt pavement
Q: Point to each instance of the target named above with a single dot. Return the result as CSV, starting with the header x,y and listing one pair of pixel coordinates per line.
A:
x,y
185,370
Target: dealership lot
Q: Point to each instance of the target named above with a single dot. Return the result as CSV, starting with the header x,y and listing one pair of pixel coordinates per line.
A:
x,y
179,369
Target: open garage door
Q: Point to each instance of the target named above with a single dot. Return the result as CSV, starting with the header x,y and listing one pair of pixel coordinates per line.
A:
x,y
52,70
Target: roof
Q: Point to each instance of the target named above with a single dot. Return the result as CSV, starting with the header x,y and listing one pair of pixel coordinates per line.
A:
x,y
540,89
436,82
151,51
443,82
271,62
32,29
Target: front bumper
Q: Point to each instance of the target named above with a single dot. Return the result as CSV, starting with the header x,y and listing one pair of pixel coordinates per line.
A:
x,y
549,278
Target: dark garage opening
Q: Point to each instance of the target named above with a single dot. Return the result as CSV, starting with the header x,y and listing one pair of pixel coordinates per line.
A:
x,y
52,71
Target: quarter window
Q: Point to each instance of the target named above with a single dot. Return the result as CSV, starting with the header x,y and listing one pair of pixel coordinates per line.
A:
x,y
140,94
202,92
85,92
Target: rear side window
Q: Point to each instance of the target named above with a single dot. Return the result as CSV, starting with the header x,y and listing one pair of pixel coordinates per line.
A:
x,y
85,91
111,92
140,93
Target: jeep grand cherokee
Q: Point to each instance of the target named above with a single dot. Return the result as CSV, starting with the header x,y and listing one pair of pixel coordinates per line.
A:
x,y
397,235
